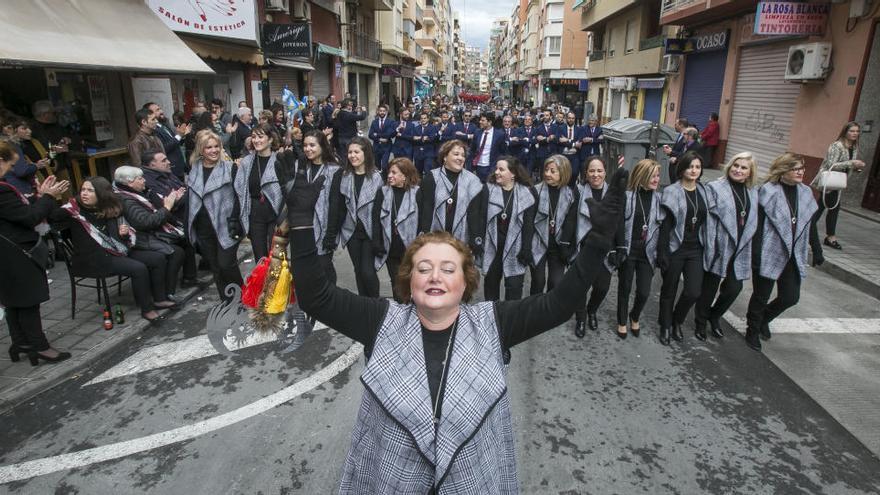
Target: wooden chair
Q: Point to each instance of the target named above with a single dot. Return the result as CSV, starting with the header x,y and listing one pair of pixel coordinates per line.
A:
x,y
85,278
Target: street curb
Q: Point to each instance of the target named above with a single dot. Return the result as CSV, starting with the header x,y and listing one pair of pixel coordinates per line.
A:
x,y
59,373
858,282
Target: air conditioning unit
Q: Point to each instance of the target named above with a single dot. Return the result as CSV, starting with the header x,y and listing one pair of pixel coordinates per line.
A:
x,y
299,9
276,5
808,62
671,64
631,83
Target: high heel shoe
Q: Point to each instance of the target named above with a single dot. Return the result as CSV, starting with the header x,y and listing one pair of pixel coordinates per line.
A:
x,y
832,244
621,335
34,357
633,328
15,352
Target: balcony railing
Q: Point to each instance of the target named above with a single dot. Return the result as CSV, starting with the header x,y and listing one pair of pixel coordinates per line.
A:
x,y
597,55
363,46
652,42
670,6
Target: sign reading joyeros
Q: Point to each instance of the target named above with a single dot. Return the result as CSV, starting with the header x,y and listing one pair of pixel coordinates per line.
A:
x,y
287,40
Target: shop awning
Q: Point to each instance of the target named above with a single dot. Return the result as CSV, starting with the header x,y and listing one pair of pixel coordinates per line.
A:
x,y
568,74
290,63
93,34
330,50
219,50
422,80
651,82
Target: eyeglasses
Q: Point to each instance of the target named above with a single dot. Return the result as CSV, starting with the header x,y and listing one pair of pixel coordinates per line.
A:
x,y
800,169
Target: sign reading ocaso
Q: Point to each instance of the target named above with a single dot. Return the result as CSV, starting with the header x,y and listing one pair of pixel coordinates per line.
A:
x,y
222,19
791,18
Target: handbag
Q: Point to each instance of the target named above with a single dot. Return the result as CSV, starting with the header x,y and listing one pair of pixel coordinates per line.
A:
x,y
831,180
39,254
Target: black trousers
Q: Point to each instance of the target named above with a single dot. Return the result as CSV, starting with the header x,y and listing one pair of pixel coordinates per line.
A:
x,y
261,227
360,250
641,270
223,262
788,292
173,263
513,286
687,261
190,270
597,293
708,308
831,198
26,328
147,272
548,272
393,265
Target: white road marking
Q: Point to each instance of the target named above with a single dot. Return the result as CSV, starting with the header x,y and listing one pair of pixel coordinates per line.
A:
x,y
813,325
40,467
177,352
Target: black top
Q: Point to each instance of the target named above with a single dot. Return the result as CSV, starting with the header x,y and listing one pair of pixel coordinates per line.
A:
x,y
476,218
790,191
360,318
254,180
694,218
742,203
553,197
338,208
597,193
641,214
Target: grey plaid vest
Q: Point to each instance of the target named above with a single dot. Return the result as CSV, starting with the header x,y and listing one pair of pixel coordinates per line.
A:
x,y
655,218
270,187
674,200
521,200
723,232
541,239
778,240
407,219
217,196
360,208
469,186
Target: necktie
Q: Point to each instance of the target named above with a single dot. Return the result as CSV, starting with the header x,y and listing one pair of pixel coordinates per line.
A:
x,y
508,133
482,146
381,121
570,133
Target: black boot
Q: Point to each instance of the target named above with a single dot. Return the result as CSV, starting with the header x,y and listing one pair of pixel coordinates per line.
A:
x,y
664,335
592,321
676,332
579,330
700,330
765,330
752,339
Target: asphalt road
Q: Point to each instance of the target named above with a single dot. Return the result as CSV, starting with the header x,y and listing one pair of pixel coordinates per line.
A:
x,y
168,415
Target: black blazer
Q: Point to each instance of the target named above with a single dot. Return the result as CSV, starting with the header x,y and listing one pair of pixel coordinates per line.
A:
x,y
24,283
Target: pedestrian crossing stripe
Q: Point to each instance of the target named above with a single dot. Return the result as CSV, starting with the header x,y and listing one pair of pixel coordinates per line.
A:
x,y
845,326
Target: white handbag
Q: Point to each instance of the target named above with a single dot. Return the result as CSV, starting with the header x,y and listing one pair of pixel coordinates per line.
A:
x,y
831,180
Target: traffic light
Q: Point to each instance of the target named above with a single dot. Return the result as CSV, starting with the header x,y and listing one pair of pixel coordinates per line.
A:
x,y
547,88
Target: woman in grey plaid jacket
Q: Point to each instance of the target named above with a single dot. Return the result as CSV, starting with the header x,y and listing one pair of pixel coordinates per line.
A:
x,y
435,415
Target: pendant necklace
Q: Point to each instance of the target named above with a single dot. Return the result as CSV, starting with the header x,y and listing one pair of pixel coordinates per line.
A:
x,y
393,209
445,364
644,217
506,204
742,205
553,213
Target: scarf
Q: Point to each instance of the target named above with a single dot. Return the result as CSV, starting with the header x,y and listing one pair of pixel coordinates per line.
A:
x,y
167,227
107,243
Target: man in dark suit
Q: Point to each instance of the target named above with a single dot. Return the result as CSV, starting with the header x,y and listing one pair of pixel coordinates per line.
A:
x,y
488,145
346,127
447,128
526,138
591,138
567,144
424,138
241,131
512,144
382,131
172,140
543,134
674,151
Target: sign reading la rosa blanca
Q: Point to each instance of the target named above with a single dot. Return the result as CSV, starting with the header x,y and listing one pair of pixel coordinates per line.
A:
x,y
220,18
700,43
791,18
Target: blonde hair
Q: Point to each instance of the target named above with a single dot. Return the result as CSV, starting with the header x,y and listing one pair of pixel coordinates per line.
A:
x,y
642,173
753,167
202,138
783,164
563,165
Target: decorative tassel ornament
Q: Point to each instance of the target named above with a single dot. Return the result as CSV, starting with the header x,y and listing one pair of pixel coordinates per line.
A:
x,y
253,287
281,295
275,285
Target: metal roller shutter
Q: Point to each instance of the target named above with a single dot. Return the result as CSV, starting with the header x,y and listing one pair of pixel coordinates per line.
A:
x,y
763,105
321,78
278,78
703,80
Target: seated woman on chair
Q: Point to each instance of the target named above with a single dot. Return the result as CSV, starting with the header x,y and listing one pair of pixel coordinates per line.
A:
x,y
102,242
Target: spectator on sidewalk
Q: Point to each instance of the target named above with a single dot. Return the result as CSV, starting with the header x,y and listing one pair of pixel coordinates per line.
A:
x,y
173,139
102,241
156,228
843,155
23,259
23,173
346,127
146,138
240,131
53,137
709,137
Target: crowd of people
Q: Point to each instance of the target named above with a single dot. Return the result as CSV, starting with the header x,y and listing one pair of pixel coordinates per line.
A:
x,y
511,185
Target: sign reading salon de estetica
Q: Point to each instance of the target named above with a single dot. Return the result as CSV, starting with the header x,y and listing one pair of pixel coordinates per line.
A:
x,y
287,40
218,18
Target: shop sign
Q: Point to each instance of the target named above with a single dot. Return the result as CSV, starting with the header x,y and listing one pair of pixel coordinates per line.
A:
x,y
791,18
287,40
569,82
700,43
236,20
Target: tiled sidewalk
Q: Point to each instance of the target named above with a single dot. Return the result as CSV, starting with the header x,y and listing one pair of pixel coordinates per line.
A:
x,y
858,263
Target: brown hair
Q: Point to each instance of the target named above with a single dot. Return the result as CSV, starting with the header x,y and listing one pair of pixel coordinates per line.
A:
x,y
109,205
584,177
367,148
7,152
641,174
446,148
406,167
269,131
520,175
563,165
846,127
783,164
404,273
